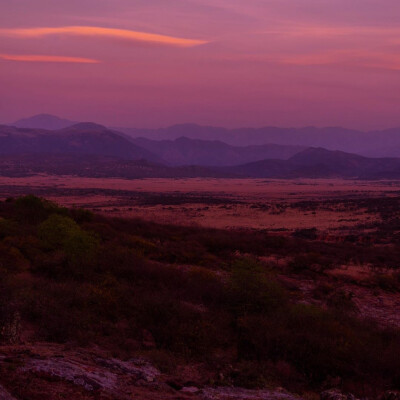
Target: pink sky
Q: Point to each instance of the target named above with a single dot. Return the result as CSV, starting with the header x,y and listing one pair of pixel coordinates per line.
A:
x,y
152,63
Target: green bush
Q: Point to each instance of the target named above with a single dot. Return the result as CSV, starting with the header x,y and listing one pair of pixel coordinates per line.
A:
x,y
31,209
63,233
251,290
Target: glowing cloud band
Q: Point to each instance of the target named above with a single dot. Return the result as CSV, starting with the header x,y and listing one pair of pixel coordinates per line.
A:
x,y
46,58
94,31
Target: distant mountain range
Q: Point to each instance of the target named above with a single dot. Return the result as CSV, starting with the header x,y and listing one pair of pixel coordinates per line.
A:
x,y
83,138
97,166
94,150
378,143
44,121
321,163
89,138
185,151
311,163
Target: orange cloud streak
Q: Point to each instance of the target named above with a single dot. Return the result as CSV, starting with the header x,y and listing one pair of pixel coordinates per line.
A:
x,y
103,32
44,58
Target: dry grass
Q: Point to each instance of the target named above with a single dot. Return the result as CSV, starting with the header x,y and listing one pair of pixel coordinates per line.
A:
x,y
250,203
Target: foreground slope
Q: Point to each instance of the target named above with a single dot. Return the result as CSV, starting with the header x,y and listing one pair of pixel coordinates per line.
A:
x,y
93,306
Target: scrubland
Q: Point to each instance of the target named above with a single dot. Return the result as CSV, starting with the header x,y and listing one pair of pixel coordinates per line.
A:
x,y
241,307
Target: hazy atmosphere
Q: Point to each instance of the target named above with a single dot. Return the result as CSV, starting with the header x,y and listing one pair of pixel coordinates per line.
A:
x,y
200,199
231,63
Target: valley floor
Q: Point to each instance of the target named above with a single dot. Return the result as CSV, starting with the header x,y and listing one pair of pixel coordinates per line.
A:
x,y
329,205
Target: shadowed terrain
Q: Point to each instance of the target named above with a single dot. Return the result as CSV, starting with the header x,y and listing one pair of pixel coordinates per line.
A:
x,y
191,312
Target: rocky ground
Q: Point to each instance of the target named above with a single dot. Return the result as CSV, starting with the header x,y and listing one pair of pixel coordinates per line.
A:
x,y
375,304
47,371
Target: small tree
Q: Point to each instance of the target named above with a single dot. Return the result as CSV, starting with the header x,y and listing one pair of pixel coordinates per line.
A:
x,y
63,233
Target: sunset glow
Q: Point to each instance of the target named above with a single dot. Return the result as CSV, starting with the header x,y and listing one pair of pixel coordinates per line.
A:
x,y
223,62
45,58
102,32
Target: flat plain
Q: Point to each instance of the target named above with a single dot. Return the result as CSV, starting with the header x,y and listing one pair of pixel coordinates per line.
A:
x,y
328,205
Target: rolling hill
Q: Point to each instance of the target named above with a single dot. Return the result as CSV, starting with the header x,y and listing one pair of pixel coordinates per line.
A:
x,y
185,151
97,166
83,138
43,121
378,143
374,143
89,149
322,163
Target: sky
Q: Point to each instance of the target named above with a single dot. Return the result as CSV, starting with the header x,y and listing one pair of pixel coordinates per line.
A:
x,y
233,63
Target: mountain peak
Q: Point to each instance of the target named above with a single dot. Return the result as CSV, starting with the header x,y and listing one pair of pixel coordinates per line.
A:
x,y
43,121
87,126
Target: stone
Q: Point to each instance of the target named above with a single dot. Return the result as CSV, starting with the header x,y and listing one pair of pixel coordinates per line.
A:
x,y
391,395
4,395
336,394
190,389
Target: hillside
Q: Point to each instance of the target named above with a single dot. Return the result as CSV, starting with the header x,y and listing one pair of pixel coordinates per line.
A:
x,y
185,151
83,138
88,149
322,163
376,143
332,138
94,306
312,163
43,121
98,166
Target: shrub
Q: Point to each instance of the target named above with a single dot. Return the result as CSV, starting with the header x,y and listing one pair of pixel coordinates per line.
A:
x,y
342,301
31,209
8,228
387,282
57,230
251,290
306,233
309,262
63,233
11,259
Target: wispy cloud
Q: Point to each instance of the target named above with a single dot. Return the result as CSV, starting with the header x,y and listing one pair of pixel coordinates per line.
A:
x,y
103,32
46,58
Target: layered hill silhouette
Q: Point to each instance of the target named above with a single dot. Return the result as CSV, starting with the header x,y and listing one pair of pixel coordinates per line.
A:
x,y
97,166
185,151
90,138
82,138
322,163
376,143
95,150
44,121
379,143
